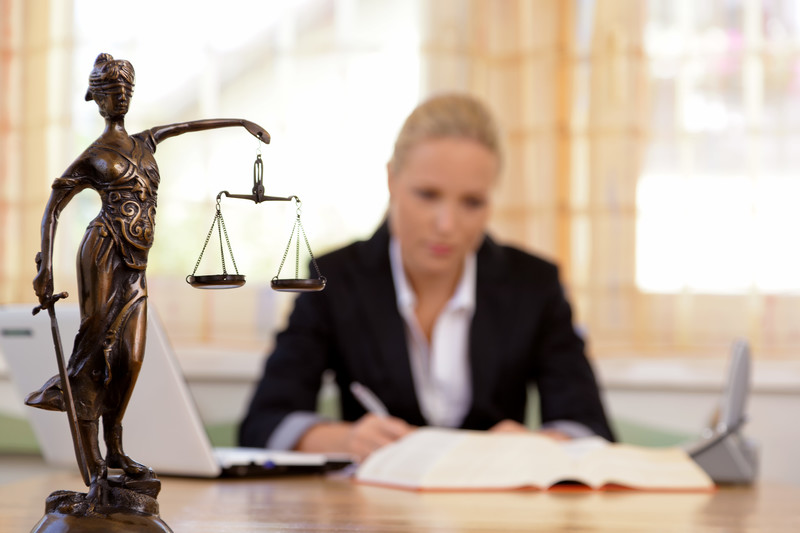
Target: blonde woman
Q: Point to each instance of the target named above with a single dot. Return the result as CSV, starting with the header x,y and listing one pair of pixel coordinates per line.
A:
x,y
446,326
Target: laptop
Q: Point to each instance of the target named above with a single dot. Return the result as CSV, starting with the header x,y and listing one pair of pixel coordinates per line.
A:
x,y
162,426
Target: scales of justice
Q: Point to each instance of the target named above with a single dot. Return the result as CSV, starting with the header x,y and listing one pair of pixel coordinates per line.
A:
x,y
108,352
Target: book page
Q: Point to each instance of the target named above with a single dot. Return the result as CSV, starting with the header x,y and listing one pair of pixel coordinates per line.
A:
x,y
438,458
450,459
579,448
404,463
482,460
643,468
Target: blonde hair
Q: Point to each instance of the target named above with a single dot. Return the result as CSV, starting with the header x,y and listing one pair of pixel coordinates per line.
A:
x,y
447,115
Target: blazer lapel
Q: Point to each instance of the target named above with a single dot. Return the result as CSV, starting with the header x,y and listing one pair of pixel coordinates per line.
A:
x,y
377,295
493,301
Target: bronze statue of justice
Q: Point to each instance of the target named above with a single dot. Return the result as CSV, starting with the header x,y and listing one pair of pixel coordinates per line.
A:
x,y
100,375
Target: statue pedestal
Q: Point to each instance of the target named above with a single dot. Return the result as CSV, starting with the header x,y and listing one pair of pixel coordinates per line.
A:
x,y
123,505
58,523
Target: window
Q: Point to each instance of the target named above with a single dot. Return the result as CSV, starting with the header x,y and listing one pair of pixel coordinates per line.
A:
x,y
718,196
327,79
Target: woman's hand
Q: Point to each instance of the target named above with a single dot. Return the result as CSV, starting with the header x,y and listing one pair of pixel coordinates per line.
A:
x,y
553,434
371,432
512,426
509,426
359,438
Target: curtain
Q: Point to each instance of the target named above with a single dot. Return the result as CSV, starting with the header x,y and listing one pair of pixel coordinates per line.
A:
x,y
605,211
34,67
514,55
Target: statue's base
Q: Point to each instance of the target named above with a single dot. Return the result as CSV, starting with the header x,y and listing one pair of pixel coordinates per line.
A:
x,y
59,523
125,505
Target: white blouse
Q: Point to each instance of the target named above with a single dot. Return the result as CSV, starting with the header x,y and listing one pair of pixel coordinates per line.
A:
x,y
440,369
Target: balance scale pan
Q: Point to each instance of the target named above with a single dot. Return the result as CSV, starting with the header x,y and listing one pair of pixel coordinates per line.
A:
x,y
216,281
298,285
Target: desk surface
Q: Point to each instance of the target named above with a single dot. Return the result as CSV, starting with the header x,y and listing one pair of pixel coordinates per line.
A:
x,y
337,504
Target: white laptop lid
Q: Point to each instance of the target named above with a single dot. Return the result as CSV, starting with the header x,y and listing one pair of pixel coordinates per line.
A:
x,y
161,429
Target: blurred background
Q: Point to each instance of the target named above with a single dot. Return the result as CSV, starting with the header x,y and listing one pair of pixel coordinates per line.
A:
x,y
648,149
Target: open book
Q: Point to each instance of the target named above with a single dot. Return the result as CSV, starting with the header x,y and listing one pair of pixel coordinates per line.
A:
x,y
450,459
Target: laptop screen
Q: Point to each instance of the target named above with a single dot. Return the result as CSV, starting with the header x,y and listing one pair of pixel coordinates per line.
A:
x,y
161,429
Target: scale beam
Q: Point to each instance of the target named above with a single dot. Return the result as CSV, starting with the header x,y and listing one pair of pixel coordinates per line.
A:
x,y
230,281
257,197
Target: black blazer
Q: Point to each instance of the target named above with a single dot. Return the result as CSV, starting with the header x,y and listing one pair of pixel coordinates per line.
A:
x,y
521,333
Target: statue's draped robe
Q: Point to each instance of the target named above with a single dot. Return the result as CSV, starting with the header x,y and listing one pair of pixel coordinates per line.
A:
x,y
112,259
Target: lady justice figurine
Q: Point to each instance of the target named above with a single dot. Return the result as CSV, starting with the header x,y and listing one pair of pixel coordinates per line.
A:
x,y
112,258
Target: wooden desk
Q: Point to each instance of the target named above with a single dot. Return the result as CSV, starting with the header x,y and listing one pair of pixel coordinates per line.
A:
x,y
329,504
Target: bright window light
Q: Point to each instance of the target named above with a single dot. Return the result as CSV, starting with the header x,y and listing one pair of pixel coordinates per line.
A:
x,y
330,80
715,234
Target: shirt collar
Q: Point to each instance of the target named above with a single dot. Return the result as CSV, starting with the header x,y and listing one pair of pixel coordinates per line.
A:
x,y
463,297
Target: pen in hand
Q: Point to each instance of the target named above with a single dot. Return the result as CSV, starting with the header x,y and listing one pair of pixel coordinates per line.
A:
x,y
368,400
378,428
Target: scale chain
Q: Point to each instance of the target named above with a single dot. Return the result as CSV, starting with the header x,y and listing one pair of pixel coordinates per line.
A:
x,y
205,244
297,248
221,249
298,224
313,259
228,241
286,251
221,228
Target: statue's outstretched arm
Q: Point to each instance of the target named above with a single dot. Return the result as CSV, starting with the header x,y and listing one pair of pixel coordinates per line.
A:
x,y
161,133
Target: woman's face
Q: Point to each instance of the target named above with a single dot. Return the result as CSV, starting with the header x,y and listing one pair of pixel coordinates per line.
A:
x,y
113,101
439,203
